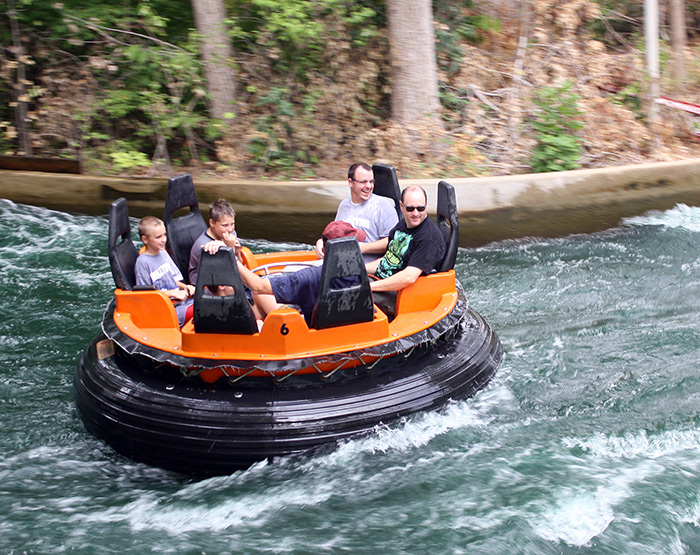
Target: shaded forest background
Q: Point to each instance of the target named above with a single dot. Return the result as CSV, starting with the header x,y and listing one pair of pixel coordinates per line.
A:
x,y
523,86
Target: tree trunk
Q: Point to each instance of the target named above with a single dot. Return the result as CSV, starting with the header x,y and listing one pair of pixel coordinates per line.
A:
x,y
678,40
19,92
414,62
651,42
217,55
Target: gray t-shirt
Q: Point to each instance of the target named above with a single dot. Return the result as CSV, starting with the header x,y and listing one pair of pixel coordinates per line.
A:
x,y
195,255
376,217
160,270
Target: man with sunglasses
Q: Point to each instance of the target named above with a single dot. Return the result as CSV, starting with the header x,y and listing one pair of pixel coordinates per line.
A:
x,y
415,247
373,214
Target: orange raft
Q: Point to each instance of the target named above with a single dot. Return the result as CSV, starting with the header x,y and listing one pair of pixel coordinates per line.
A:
x,y
203,400
285,340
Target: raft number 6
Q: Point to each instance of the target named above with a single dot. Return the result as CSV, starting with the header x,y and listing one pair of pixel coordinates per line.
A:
x,y
284,330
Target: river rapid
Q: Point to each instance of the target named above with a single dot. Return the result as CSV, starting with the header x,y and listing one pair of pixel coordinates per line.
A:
x,y
586,441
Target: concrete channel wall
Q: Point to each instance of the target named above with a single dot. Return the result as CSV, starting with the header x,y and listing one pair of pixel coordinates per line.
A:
x,y
490,209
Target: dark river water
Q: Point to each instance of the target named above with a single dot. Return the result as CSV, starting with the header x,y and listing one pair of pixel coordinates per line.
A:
x,y
587,440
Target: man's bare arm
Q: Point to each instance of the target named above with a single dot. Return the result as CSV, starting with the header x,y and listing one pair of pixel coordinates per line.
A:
x,y
375,247
398,281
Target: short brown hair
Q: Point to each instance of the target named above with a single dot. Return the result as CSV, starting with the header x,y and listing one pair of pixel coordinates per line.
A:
x,y
220,209
353,168
147,224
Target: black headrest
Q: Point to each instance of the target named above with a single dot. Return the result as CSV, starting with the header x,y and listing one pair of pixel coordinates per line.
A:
x,y
121,249
182,230
343,303
448,222
214,314
386,184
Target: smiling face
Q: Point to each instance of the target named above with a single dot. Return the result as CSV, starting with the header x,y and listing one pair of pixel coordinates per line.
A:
x,y
155,239
414,199
362,185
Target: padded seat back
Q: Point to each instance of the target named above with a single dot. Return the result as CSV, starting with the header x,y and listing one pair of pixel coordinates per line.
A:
x,y
351,301
386,184
182,230
121,250
448,222
215,314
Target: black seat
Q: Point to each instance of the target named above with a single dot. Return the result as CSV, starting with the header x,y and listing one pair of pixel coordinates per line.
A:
x,y
121,249
386,184
215,314
352,303
182,230
448,222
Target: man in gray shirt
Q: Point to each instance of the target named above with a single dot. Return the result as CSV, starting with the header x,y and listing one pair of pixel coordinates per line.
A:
x,y
373,214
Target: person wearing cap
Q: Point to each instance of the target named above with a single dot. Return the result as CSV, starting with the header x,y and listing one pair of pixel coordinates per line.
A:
x,y
298,288
373,214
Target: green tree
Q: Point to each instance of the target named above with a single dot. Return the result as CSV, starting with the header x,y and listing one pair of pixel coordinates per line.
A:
x,y
150,92
555,122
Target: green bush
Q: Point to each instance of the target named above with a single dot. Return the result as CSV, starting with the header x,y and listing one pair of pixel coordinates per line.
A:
x,y
295,32
555,121
130,160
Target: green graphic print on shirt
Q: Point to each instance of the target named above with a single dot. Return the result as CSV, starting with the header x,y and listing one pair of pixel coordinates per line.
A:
x,y
395,257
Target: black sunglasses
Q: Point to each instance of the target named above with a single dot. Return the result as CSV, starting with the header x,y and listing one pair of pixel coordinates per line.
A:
x,y
412,208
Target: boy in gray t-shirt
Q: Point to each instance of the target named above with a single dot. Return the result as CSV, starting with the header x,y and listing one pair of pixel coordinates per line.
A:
x,y
155,267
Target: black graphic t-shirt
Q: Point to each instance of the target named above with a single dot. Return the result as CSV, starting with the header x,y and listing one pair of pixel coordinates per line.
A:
x,y
421,247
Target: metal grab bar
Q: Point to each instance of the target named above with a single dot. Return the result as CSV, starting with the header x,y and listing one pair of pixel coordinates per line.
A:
x,y
266,267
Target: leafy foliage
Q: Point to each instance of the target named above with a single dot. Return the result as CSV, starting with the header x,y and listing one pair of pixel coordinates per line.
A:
x,y
120,85
460,22
126,79
136,65
299,48
558,117
295,31
270,147
148,92
129,160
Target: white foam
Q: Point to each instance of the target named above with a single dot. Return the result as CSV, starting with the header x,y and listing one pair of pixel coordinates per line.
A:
x,y
261,492
419,430
681,216
576,520
637,445
691,515
171,515
580,515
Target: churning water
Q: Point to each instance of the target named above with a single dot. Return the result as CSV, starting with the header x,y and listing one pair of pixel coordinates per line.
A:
x,y
587,440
